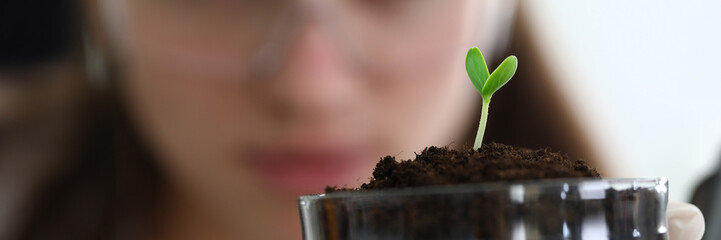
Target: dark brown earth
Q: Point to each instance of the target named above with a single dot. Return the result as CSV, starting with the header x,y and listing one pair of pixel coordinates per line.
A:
x,y
494,162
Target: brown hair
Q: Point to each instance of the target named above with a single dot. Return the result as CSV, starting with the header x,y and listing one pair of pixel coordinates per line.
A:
x,y
108,184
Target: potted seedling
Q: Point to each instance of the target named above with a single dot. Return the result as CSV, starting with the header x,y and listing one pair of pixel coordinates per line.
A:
x,y
489,191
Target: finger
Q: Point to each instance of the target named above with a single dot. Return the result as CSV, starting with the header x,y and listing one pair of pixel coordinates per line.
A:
x,y
685,221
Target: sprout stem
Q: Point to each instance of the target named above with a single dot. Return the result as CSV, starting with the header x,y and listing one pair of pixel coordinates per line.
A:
x,y
482,124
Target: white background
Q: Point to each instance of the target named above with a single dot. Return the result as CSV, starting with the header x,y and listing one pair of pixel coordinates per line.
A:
x,y
646,78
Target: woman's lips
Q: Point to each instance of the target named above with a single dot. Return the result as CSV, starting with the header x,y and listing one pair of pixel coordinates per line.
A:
x,y
300,172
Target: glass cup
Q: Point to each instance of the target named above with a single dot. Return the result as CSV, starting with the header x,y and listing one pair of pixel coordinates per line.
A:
x,y
543,209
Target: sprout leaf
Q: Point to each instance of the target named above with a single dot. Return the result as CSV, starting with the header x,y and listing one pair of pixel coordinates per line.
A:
x,y
477,68
500,76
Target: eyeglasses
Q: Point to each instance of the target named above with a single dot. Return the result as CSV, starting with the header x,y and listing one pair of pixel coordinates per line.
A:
x,y
375,35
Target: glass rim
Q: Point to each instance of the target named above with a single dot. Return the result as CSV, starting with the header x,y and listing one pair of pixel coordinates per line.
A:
x,y
642,182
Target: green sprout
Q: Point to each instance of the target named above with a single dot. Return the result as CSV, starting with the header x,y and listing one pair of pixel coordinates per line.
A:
x,y
487,84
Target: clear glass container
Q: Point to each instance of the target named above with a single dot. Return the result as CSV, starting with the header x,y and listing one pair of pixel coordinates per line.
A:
x,y
545,209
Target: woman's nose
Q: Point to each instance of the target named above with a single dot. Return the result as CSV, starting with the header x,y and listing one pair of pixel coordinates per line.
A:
x,y
315,83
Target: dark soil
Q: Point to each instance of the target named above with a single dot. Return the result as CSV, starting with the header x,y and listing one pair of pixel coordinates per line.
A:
x,y
485,214
494,162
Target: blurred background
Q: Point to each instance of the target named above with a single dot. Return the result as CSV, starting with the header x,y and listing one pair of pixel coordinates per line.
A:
x,y
640,77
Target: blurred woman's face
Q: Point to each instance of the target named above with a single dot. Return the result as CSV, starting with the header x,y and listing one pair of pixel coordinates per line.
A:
x,y
248,104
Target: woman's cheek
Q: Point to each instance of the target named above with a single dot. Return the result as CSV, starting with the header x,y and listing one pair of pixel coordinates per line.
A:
x,y
425,114
187,84
429,101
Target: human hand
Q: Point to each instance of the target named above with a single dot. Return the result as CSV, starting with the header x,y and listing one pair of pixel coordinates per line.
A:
x,y
685,221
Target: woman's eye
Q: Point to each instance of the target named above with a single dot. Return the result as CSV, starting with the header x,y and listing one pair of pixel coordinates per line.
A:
x,y
386,5
380,2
